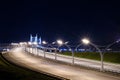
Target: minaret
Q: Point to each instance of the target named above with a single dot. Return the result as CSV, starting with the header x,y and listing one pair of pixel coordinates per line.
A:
x,y
40,40
36,38
31,38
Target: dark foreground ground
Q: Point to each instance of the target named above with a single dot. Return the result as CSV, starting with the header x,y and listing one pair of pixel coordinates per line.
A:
x,y
9,71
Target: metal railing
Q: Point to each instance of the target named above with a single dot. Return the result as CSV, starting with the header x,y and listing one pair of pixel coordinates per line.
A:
x,y
66,59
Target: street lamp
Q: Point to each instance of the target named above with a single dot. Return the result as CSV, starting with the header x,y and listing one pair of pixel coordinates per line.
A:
x,y
72,51
87,41
44,42
35,43
35,46
29,44
60,42
111,44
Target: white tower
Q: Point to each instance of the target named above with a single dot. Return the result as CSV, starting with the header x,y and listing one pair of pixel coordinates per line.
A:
x,y
31,38
36,38
40,40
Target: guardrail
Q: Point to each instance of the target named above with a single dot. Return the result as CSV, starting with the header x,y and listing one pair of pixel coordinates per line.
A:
x,y
41,53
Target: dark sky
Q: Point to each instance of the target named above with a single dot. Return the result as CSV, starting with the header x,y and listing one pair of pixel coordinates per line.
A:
x,y
69,20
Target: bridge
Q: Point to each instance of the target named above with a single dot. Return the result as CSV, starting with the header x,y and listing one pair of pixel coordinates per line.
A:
x,y
37,59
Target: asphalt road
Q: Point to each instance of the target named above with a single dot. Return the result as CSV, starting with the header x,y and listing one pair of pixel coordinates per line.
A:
x,y
19,57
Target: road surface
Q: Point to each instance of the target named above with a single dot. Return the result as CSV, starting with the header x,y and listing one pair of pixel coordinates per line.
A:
x,y
19,57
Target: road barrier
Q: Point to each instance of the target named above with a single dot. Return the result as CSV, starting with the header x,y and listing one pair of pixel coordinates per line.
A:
x,y
39,52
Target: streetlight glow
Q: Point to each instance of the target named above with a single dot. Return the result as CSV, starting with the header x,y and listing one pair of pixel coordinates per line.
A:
x,y
30,43
118,41
35,43
85,41
66,42
60,42
44,42
53,42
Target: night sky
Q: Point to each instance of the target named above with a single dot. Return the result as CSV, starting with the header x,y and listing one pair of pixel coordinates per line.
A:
x,y
68,20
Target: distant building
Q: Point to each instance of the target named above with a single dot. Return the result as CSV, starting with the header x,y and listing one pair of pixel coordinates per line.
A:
x,y
35,39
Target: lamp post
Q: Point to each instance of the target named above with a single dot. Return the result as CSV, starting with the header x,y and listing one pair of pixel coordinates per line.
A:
x,y
31,45
72,56
35,46
77,46
111,44
86,42
72,51
60,43
44,42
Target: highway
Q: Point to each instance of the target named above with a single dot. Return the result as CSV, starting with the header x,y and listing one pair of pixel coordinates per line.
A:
x,y
20,57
